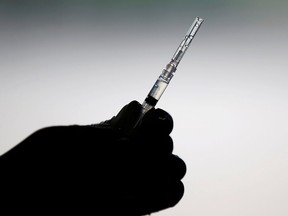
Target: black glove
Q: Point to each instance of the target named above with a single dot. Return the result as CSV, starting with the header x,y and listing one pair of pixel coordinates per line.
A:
x,y
111,168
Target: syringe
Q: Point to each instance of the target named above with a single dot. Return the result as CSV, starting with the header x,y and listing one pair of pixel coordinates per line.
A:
x,y
168,72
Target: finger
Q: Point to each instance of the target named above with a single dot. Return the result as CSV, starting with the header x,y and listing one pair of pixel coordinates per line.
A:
x,y
168,195
127,118
158,168
158,197
175,167
157,121
168,168
157,145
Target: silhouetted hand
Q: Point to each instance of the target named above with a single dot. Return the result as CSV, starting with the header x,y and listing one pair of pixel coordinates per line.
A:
x,y
109,168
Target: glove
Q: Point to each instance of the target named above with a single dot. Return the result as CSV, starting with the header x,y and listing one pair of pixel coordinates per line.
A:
x,y
109,168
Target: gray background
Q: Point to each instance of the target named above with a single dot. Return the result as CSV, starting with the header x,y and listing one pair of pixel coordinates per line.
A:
x,y
79,62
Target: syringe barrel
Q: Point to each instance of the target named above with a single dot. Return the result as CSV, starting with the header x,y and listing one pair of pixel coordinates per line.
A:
x,y
185,43
159,87
167,73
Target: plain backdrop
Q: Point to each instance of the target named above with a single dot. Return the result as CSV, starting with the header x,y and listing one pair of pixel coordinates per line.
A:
x,y
78,62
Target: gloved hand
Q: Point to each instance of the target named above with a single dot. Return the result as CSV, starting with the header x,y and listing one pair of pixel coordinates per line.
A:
x,y
111,168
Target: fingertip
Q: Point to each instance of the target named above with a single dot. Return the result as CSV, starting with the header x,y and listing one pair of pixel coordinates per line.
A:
x,y
176,193
167,196
135,104
127,118
177,166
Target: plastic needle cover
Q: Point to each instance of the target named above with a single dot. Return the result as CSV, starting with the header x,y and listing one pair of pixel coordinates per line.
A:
x,y
168,72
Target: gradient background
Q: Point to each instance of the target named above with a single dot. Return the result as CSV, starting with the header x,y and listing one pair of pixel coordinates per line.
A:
x,y
79,62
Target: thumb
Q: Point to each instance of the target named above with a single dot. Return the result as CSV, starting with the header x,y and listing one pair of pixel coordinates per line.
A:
x,y
127,118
